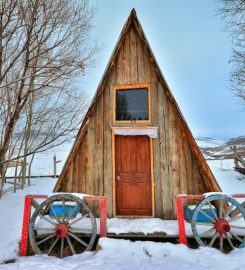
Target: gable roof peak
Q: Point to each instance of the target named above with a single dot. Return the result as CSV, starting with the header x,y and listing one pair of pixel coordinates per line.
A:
x,y
133,13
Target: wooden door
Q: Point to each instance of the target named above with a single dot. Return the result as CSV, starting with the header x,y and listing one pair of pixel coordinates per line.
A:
x,y
133,175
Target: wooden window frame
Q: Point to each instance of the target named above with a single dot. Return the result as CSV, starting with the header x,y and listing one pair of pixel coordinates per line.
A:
x,y
132,87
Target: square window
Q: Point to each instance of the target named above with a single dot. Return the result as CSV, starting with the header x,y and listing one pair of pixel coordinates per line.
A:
x,y
132,104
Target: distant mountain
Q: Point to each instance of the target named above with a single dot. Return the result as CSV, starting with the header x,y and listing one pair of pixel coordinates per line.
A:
x,y
220,149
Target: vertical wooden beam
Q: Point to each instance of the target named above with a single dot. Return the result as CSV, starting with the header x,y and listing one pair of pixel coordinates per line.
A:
x,y
181,220
147,65
98,151
25,226
156,151
90,157
84,162
111,150
175,159
120,65
152,179
181,161
191,187
140,62
127,59
198,179
133,56
69,177
113,175
172,160
103,218
183,164
166,191
80,172
107,151
75,172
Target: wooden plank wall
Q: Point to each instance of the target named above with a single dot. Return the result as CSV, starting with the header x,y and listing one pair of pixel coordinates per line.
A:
x,y
176,168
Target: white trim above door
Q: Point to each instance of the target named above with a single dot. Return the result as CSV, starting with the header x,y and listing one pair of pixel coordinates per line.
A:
x,y
151,132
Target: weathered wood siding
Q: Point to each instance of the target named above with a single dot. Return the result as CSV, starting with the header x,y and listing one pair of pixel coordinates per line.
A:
x,y
176,166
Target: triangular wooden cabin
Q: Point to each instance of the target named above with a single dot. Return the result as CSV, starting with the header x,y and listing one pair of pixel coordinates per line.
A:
x,y
134,145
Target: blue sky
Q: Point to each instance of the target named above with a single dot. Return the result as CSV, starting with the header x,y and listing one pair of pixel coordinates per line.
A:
x,y
192,50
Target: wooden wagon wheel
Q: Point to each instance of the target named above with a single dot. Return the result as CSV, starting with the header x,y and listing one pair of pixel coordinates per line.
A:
x,y
66,233
222,224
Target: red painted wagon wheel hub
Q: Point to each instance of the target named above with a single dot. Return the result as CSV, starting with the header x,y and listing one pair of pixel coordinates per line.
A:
x,y
61,230
222,226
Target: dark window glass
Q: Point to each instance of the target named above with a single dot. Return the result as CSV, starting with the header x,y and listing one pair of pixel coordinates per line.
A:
x,y
132,104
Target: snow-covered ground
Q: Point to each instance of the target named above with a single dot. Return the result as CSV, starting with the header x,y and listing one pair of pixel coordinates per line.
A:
x,y
230,181
11,213
116,254
125,255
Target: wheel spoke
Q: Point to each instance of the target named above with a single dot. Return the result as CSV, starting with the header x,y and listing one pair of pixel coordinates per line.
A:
x,y
237,227
54,233
77,230
62,248
213,239
237,237
204,223
56,217
72,212
51,248
207,232
221,208
207,216
229,240
70,245
44,229
76,220
78,239
212,209
63,210
224,215
228,211
221,241
45,239
47,219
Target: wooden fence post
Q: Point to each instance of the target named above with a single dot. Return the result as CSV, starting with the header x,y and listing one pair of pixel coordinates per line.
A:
x,y
55,161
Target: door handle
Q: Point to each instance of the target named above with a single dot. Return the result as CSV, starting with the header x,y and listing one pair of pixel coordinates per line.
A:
x,y
118,177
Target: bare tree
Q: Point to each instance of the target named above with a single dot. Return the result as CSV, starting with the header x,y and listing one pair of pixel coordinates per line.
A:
x,y
233,12
44,45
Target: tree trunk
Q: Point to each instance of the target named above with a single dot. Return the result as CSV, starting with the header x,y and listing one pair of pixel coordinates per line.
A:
x,y
15,175
1,180
29,170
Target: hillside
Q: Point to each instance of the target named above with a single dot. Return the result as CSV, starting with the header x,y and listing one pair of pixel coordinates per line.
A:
x,y
220,149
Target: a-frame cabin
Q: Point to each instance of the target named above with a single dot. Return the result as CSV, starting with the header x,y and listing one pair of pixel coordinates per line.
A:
x,y
134,145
